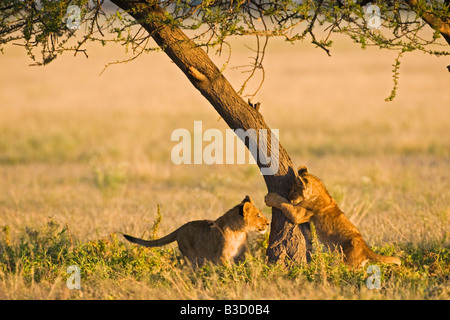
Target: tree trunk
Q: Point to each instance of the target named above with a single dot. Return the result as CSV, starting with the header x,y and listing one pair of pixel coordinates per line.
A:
x,y
286,239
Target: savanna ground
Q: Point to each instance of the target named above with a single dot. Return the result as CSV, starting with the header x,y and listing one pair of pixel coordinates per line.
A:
x,y
83,157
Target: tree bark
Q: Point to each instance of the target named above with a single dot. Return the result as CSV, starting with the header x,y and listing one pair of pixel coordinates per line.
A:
x,y
286,239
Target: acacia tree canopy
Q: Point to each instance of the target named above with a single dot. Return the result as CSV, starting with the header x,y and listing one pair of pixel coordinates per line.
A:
x,y
48,28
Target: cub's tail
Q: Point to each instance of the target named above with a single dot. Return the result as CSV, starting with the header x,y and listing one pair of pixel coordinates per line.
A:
x,y
384,259
171,237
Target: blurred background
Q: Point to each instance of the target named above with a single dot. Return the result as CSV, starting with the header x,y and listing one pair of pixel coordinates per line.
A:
x,y
93,151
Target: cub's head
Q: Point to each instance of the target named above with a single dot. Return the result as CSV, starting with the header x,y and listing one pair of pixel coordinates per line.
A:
x,y
296,194
253,218
308,190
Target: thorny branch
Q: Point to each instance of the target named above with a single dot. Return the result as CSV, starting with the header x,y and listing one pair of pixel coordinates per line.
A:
x,y
41,25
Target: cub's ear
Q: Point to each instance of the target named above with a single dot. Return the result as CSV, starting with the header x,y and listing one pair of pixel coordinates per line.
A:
x,y
247,199
302,170
245,208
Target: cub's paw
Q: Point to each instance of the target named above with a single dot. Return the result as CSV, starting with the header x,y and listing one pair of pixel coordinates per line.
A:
x,y
273,199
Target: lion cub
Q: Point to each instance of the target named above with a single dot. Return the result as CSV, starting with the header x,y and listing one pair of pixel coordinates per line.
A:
x,y
221,241
310,201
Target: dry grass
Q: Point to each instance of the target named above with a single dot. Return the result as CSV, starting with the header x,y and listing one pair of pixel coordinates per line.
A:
x,y
93,152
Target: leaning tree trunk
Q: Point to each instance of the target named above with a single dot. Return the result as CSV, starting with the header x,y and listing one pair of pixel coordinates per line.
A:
x,y
286,239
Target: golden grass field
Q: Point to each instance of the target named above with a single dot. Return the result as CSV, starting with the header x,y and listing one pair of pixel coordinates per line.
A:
x,y
93,152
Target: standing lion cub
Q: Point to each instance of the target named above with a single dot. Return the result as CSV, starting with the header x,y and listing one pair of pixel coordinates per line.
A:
x,y
310,200
221,241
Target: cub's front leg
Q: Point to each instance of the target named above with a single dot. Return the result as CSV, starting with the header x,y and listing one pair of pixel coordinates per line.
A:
x,y
297,214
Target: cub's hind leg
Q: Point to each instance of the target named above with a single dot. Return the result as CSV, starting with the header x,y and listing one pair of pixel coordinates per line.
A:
x,y
355,252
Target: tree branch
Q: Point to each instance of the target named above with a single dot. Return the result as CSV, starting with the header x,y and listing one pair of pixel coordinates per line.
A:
x,y
434,22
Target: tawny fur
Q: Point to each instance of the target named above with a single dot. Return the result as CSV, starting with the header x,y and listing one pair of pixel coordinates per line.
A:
x,y
309,200
221,241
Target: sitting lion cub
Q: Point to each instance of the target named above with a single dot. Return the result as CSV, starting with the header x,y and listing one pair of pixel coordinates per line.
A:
x,y
221,241
310,200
